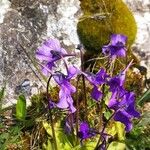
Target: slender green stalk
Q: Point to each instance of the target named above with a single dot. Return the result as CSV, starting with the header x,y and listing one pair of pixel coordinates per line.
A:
x,y
50,114
102,132
84,93
83,81
100,106
77,107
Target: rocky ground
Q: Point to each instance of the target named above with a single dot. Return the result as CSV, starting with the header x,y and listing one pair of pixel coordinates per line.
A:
x,y
25,23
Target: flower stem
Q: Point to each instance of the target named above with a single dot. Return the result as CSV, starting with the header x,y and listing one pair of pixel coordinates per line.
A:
x,y
83,81
50,113
66,66
84,93
100,107
102,132
77,107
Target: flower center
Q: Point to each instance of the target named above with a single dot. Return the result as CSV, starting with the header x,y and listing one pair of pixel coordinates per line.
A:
x,y
55,54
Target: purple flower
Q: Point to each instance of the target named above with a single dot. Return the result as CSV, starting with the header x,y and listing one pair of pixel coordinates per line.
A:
x,y
66,89
123,104
96,80
122,101
96,93
116,47
85,131
116,83
49,53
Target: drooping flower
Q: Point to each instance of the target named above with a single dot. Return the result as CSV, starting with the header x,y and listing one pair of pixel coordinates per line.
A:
x,y
122,101
117,82
96,93
96,80
123,104
116,47
49,53
66,89
85,131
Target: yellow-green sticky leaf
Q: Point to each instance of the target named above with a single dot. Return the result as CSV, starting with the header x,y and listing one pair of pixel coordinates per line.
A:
x,y
120,131
21,108
116,146
112,129
62,141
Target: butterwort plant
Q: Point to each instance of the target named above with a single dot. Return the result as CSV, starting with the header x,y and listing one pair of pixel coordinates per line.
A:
x,y
93,91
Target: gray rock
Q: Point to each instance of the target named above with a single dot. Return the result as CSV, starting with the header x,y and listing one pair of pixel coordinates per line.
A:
x,y
141,11
24,25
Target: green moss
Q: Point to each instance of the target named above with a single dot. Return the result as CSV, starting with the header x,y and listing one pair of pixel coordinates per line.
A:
x,y
96,6
100,19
